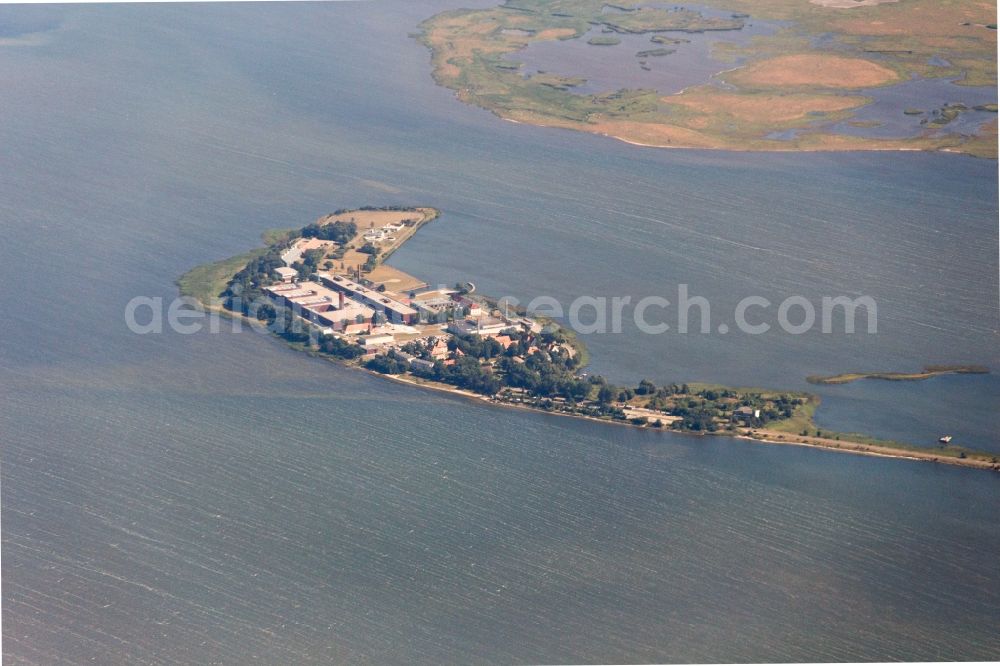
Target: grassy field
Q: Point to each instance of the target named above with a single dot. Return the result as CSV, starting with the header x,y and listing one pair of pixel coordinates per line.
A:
x,y
206,282
786,82
801,429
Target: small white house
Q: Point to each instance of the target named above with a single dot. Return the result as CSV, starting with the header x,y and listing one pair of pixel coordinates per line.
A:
x,y
286,274
377,341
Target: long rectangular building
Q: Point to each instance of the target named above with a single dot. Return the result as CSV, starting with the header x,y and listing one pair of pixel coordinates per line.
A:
x,y
322,306
395,311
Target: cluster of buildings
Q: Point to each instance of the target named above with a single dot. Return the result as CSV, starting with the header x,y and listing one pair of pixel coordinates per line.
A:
x,y
381,320
328,309
382,233
297,250
394,309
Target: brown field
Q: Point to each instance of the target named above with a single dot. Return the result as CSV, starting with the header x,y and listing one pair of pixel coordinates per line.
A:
x,y
785,85
395,279
652,134
812,69
369,219
555,33
919,19
459,40
774,107
849,4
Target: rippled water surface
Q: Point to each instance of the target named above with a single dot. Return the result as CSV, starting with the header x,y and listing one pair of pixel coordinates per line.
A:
x,y
217,497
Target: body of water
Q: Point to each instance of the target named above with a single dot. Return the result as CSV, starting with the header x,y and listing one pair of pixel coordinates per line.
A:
x,y
217,497
607,68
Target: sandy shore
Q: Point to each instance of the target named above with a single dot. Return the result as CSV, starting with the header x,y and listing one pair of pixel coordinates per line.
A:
x,y
756,435
859,448
759,436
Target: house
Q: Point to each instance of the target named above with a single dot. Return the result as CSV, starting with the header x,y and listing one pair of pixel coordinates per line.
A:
x,y
377,341
440,349
295,252
422,364
286,274
358,329
504,340
530,325
746,414
474,308
479,326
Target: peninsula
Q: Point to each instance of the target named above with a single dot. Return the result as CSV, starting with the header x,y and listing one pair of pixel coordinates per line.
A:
x,y
798,88
326,290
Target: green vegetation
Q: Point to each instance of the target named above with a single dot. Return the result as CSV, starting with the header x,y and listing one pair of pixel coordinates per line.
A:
x,y
542,369
655,53
339,232
556,81
928,372
207,282
801,425
474,53
945,115
663,39
801,419
604,41
650,19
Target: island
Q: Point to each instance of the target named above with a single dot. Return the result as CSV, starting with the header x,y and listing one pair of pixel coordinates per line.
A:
x,y
325,289
928,372
791,90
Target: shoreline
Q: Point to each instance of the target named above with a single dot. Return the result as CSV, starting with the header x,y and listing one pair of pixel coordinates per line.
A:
x,y
840,446
470,48
928,372
202,281
730,149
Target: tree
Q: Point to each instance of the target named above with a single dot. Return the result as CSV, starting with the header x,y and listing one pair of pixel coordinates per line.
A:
x,y
387,364
339,348
338,232
646,387
606,394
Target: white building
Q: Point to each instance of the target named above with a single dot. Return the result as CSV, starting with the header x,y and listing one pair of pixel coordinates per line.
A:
x,y
286,274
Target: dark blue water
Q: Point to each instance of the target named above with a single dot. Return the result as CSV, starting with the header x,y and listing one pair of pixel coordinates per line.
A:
x,y
171,498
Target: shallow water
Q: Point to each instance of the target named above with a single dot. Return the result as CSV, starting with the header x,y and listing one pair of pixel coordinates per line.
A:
x,y
927,95
696,61
217,497
610,68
